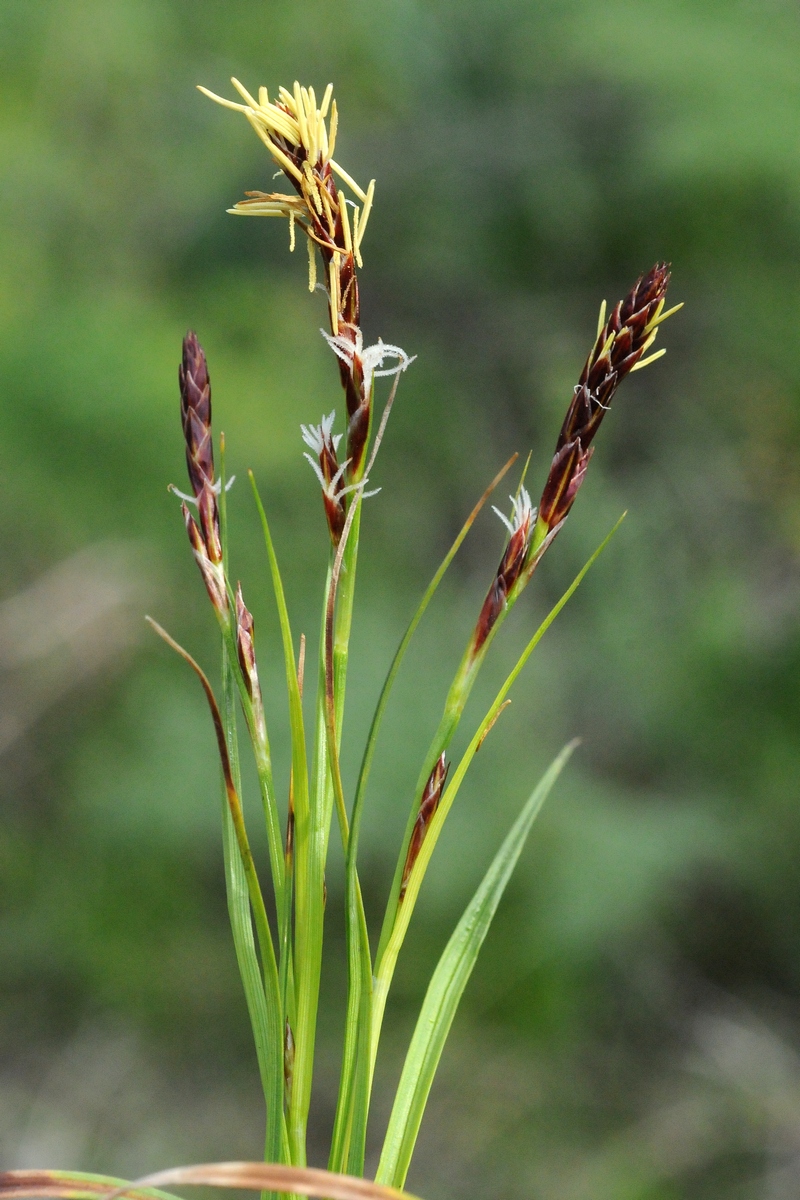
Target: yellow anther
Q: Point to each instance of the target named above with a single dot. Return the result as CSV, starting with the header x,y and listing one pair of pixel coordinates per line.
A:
x,y
311,124
334,125
322,136
648,343
357,237
243,92
608,345
660,318
326,200
348,179
311,184
301,115
221,100
348,241
645,362
334,296
281,159
362,224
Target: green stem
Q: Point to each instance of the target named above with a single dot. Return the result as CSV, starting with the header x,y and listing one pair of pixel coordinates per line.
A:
x,y
349,1133
263,763
311,846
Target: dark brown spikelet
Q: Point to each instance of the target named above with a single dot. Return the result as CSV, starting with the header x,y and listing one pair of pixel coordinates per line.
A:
x,y
288,1060
195,388
204,534
621,344
324,445
508,572
428,805
246,653
245,649
196,420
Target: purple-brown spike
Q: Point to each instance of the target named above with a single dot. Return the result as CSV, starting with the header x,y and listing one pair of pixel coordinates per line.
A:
x,y
427,807
620,346
204,535
195,388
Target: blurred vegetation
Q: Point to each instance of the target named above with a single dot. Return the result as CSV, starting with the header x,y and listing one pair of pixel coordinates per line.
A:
x,y
632,1029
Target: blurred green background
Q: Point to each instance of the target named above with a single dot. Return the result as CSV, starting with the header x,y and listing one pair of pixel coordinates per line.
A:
x,y
632,1029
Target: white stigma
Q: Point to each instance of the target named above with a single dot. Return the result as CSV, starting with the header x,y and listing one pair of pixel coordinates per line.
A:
x,y
522,512
372,357
317,437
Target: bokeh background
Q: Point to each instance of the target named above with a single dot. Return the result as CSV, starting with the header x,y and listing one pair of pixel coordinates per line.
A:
x,y
633,1027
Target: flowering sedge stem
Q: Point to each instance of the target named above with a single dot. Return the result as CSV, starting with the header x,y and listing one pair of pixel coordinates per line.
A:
x,y
349,1136
347,1149
387,959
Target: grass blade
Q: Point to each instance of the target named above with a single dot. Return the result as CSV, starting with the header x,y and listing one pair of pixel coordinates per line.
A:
x,y
272,1040
308,898
299,761
297,1181
447,986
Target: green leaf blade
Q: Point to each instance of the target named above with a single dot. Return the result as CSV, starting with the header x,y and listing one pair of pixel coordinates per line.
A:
x,y
447,986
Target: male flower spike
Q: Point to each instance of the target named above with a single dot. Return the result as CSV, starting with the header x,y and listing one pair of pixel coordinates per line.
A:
x,y
301,140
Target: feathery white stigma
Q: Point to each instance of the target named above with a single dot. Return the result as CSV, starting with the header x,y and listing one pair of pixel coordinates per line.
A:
x,y
347,346
522,513
317,437
215,487
332,490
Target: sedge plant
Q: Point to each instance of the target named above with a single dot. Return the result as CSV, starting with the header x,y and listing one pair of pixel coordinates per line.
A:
x,y
280,955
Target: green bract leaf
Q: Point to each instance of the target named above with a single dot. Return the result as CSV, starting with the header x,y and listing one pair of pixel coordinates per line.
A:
x,y
446,988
